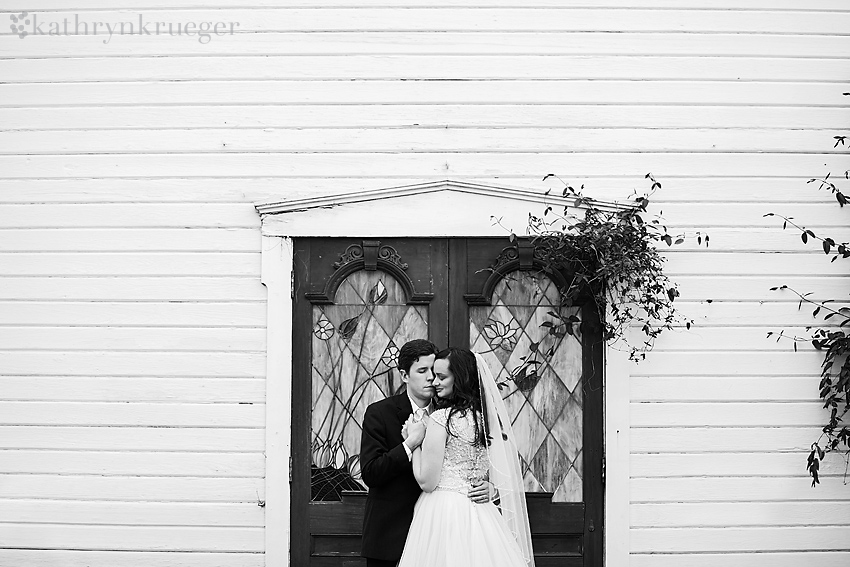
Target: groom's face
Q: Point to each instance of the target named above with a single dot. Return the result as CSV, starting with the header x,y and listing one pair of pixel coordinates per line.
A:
x,y
420,379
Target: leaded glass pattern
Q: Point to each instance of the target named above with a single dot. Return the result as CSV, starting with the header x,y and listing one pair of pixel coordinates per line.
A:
x,y
354,363
535,354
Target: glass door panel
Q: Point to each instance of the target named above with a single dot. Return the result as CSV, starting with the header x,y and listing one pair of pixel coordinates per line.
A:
x,y
354,363
534,350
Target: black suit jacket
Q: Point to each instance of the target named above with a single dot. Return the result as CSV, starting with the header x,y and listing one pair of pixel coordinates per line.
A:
x,y
387,472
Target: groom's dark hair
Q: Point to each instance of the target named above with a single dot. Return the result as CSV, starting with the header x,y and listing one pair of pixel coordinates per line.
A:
x,y
412,351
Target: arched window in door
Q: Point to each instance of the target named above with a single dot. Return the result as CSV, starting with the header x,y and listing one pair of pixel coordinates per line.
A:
x,y
534,350
354,357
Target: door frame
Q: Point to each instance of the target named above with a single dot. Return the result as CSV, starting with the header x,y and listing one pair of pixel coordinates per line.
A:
x,y
429,210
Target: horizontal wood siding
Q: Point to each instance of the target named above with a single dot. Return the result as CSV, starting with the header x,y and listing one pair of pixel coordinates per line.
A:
x,y
132,318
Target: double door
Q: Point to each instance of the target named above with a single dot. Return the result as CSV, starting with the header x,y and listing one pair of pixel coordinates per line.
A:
x,y
358,301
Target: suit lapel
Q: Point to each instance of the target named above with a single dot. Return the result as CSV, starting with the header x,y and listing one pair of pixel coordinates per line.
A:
x,y
403,406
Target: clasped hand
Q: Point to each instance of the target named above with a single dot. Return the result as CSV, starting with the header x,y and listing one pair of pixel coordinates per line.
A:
x,y
413,432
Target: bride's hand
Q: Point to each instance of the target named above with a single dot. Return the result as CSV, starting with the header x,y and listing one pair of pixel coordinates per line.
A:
x,y
405,428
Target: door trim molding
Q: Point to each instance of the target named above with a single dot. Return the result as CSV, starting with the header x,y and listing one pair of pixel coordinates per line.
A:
x,y
277,264
617,448
507,192
453,207
456,208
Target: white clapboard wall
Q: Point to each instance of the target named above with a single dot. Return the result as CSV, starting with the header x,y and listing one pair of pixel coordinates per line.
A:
x,y
132,318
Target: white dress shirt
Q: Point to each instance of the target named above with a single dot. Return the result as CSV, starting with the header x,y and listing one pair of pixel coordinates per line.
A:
x,y
418,414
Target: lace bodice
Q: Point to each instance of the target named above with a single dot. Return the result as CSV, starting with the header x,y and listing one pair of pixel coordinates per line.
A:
x,y
465,464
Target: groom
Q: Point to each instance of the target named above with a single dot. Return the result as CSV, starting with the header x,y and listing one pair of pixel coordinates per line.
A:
x,y
385,457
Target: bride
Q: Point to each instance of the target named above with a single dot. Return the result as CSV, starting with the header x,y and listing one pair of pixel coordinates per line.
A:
x,y
468,440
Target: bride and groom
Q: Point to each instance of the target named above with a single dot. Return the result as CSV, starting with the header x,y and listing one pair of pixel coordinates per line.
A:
x,y
442,468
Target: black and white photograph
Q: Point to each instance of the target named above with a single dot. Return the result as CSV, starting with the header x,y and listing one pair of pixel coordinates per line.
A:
x,y
425,283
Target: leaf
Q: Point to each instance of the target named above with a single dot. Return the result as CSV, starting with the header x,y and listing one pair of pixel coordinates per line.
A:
x,y
378,294
527,379
348,327
804,237
668,239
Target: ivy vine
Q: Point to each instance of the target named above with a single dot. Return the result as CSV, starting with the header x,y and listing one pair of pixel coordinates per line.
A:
x,y
831,337
613,254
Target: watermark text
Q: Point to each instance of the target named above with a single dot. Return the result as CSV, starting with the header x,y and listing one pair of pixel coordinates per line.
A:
x,y
31,24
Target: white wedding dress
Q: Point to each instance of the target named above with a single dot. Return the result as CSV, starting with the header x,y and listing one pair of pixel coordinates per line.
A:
x,y
449,529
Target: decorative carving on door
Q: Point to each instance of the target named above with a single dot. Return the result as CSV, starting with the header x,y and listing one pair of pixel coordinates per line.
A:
x,y
520,256
370,255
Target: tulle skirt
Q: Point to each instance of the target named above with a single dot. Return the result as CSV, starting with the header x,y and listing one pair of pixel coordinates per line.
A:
x,y
450,530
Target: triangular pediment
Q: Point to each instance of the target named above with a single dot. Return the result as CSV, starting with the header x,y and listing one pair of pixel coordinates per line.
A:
x,y
439,208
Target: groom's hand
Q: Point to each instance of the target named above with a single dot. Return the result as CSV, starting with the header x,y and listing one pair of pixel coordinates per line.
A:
x,y
482,493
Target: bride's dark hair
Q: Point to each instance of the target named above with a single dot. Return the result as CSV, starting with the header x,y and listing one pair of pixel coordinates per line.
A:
x,y
466,391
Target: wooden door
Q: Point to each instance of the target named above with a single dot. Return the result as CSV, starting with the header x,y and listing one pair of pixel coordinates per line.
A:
x,y
357,301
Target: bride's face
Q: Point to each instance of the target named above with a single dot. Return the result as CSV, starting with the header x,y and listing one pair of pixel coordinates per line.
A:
x,y
444,381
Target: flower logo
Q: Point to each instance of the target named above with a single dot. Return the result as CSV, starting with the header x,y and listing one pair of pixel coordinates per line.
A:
x,y
324,329
19,20
390,356
500,335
